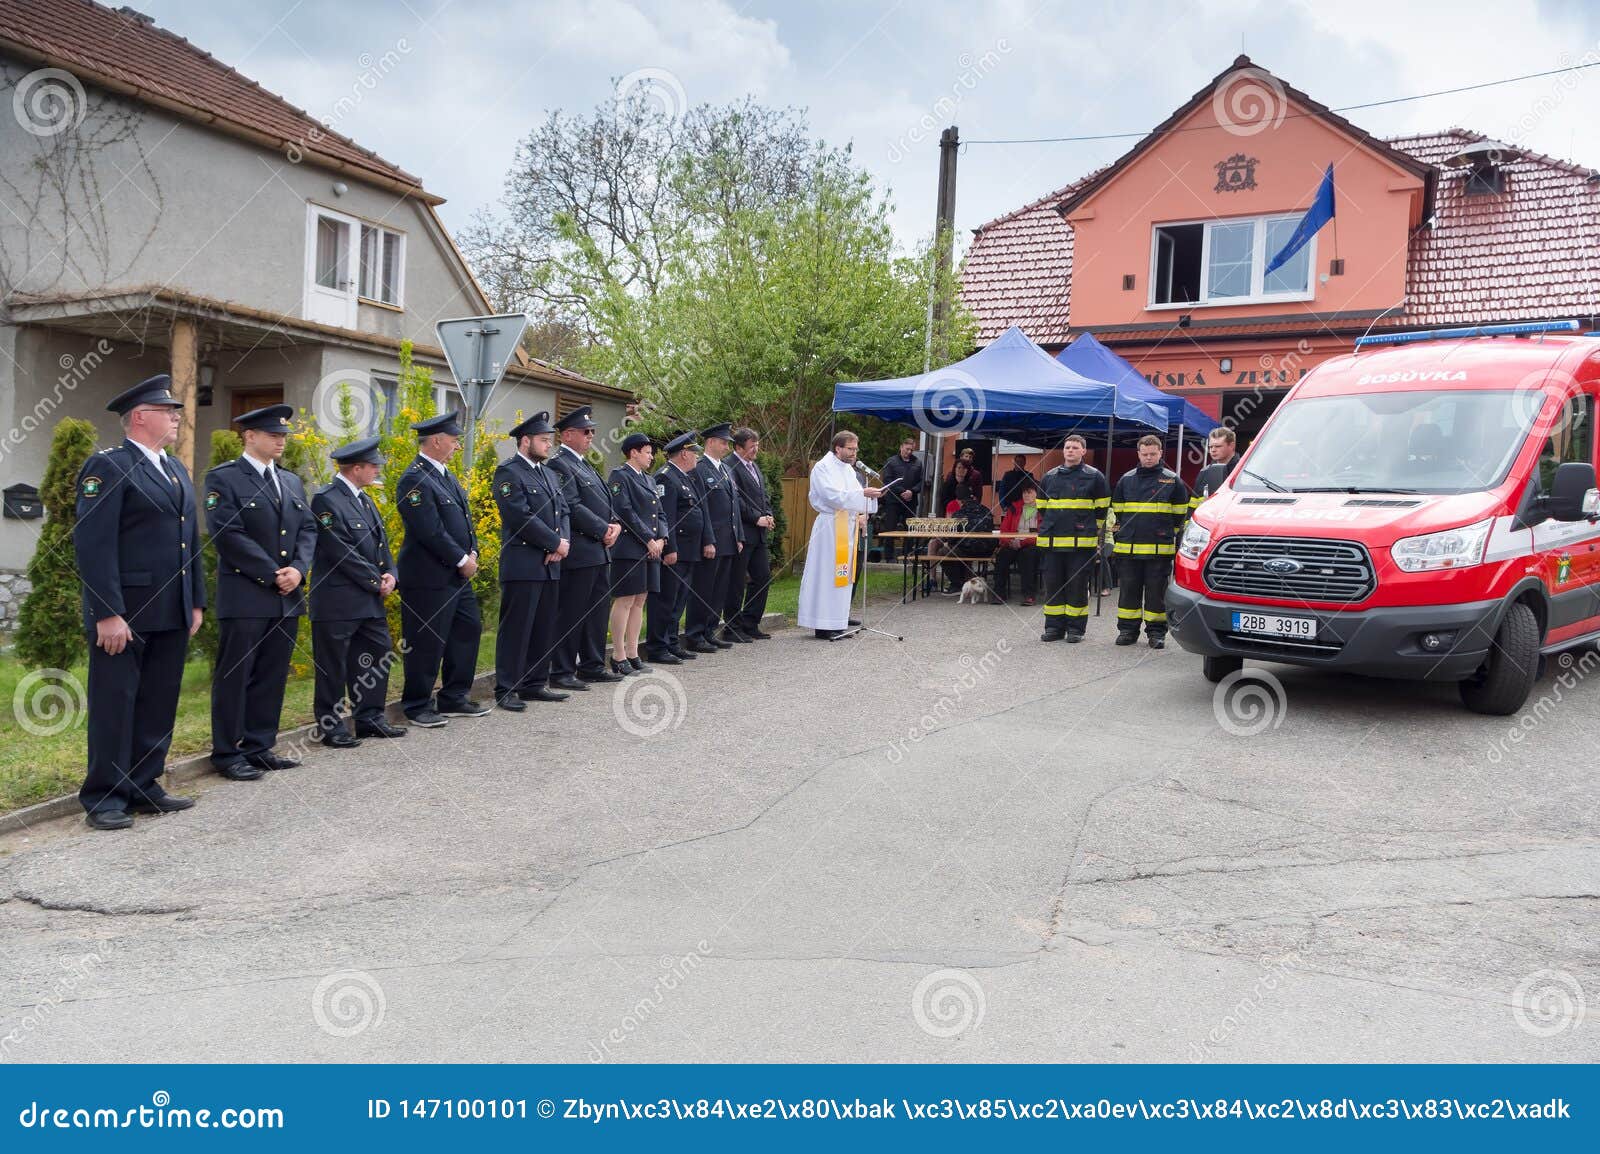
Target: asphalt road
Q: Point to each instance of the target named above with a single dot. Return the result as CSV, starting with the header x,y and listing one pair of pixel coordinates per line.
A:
x,y
966,846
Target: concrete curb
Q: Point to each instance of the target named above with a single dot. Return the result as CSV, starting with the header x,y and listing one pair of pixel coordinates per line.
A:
x,y
193,766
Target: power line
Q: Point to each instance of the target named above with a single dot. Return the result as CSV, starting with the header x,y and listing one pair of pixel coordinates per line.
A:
x,y
1295,115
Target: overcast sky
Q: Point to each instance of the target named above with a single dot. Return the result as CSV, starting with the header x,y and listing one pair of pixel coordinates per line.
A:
x,y
466,79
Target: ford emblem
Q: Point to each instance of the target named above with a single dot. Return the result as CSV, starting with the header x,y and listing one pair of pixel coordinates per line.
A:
x,y
1281,565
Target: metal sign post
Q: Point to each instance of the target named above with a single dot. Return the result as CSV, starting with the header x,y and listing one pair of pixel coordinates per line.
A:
x,y
478,350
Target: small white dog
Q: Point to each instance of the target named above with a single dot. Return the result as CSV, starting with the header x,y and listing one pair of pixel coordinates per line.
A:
x,y
975,592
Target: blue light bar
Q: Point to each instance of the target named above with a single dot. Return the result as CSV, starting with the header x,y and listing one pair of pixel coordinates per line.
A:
x,y
1522,329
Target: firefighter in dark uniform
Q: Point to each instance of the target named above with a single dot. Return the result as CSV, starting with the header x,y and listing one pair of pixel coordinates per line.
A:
x,y
1073,498
535,538
724,539
137,541
439,618
585,597
1224,456
636,559
685,515
259,520
1151,504
351,573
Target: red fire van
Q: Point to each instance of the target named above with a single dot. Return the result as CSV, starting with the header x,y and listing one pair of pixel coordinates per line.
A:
x,y
1424,507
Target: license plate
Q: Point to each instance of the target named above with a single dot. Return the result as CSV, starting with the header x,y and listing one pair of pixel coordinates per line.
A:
x,y
1272,625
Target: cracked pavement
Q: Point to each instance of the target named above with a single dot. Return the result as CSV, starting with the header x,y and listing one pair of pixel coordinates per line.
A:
x,y
964,847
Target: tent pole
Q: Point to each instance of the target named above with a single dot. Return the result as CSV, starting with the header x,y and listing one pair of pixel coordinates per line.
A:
x,y
1099,583
1177,460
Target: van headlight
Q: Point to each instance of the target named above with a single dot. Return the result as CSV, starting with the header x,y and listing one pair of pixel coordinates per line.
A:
x,y
1195,539
1450,549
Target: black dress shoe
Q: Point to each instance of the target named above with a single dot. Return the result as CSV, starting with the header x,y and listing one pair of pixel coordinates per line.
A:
x,y
719,643
422,719
734,636
271,761
681,654
703,647
829,634
510,703
570,683
854,622
464,709
543,694
1051,635
166,803
664,659
108,819
240,771
599,677
622,669
638,666
757,635
378,727
340,739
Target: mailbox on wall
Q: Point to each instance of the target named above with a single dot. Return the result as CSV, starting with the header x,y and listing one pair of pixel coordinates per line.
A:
x,y
22,502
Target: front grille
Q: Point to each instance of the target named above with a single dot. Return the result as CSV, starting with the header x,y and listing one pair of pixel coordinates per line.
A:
x,y
1337,571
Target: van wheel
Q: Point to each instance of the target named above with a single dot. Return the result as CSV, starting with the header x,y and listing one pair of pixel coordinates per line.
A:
x,y
1216,668
1503,684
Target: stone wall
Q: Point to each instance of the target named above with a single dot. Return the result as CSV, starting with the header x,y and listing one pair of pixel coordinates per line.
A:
x,y
13,588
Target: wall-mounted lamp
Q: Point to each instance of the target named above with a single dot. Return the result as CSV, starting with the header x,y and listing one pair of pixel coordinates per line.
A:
x,y
203,391
1226,364
340,188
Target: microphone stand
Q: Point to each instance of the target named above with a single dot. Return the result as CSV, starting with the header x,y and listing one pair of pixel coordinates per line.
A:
x,y
864,549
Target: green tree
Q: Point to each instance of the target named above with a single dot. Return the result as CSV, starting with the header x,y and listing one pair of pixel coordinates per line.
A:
x,y
50,630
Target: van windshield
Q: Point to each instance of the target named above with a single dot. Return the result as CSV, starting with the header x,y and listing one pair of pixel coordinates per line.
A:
x,y
1443,441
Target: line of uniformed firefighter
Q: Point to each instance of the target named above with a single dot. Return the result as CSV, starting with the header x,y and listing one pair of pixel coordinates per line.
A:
x,y
570,543
1151,504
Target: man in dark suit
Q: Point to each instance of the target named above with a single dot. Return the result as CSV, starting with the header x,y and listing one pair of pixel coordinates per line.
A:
x,y
585,600
439,618
260,523
723,541
684,511
351,573
137,541
902,490
751,571
535,537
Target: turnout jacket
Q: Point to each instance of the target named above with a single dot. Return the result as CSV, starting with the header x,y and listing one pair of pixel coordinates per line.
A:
x,y
534,519
1151,506
1212,478
1072,507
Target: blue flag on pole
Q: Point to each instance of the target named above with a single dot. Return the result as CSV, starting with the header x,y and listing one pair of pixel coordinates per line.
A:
x,y
1319,214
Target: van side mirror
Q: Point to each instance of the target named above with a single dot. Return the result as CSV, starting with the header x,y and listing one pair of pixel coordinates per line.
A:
x,y
1573,496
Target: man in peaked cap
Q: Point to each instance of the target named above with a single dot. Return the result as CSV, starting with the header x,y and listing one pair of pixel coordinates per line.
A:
x,y
260,522
724,539
683,507
439,618
351,573
137,541
585,597
535,538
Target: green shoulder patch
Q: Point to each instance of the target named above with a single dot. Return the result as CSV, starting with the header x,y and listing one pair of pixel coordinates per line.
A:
x,y
325,520
212,498
505,488
616,486
414,496
91,486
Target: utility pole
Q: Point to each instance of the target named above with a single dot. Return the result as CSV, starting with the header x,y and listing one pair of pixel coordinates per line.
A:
x,y
944,236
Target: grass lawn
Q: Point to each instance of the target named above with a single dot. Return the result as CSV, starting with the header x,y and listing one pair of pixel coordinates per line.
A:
x,y
35,768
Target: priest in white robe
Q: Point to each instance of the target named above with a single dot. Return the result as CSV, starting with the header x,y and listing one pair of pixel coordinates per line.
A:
x,y
833,554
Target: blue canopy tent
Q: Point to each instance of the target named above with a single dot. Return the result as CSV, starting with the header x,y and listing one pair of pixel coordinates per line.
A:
x,y
1091,359
1009,388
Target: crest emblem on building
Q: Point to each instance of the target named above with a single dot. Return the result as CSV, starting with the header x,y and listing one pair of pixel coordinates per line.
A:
x,y
1236,174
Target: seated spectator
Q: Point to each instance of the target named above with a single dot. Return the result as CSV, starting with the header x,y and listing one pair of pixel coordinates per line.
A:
x,y
1020,553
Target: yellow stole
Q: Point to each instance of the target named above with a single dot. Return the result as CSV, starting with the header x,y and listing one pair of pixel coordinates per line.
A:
x,y
843,539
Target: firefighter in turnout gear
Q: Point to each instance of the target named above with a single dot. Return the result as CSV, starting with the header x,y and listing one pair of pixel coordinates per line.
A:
x,y
1072,510
1151,504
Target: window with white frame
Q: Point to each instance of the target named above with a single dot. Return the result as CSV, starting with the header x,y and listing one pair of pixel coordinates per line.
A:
x,y
382,264
447,398
1224,262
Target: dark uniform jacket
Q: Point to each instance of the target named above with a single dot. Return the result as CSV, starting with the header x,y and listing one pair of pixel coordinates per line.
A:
x,y
753,500
256,534
589,501
900,475
534,520
137,540
684,511
637,503
351,557
438,521
1211,478
1151,506
723,521
1072,507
